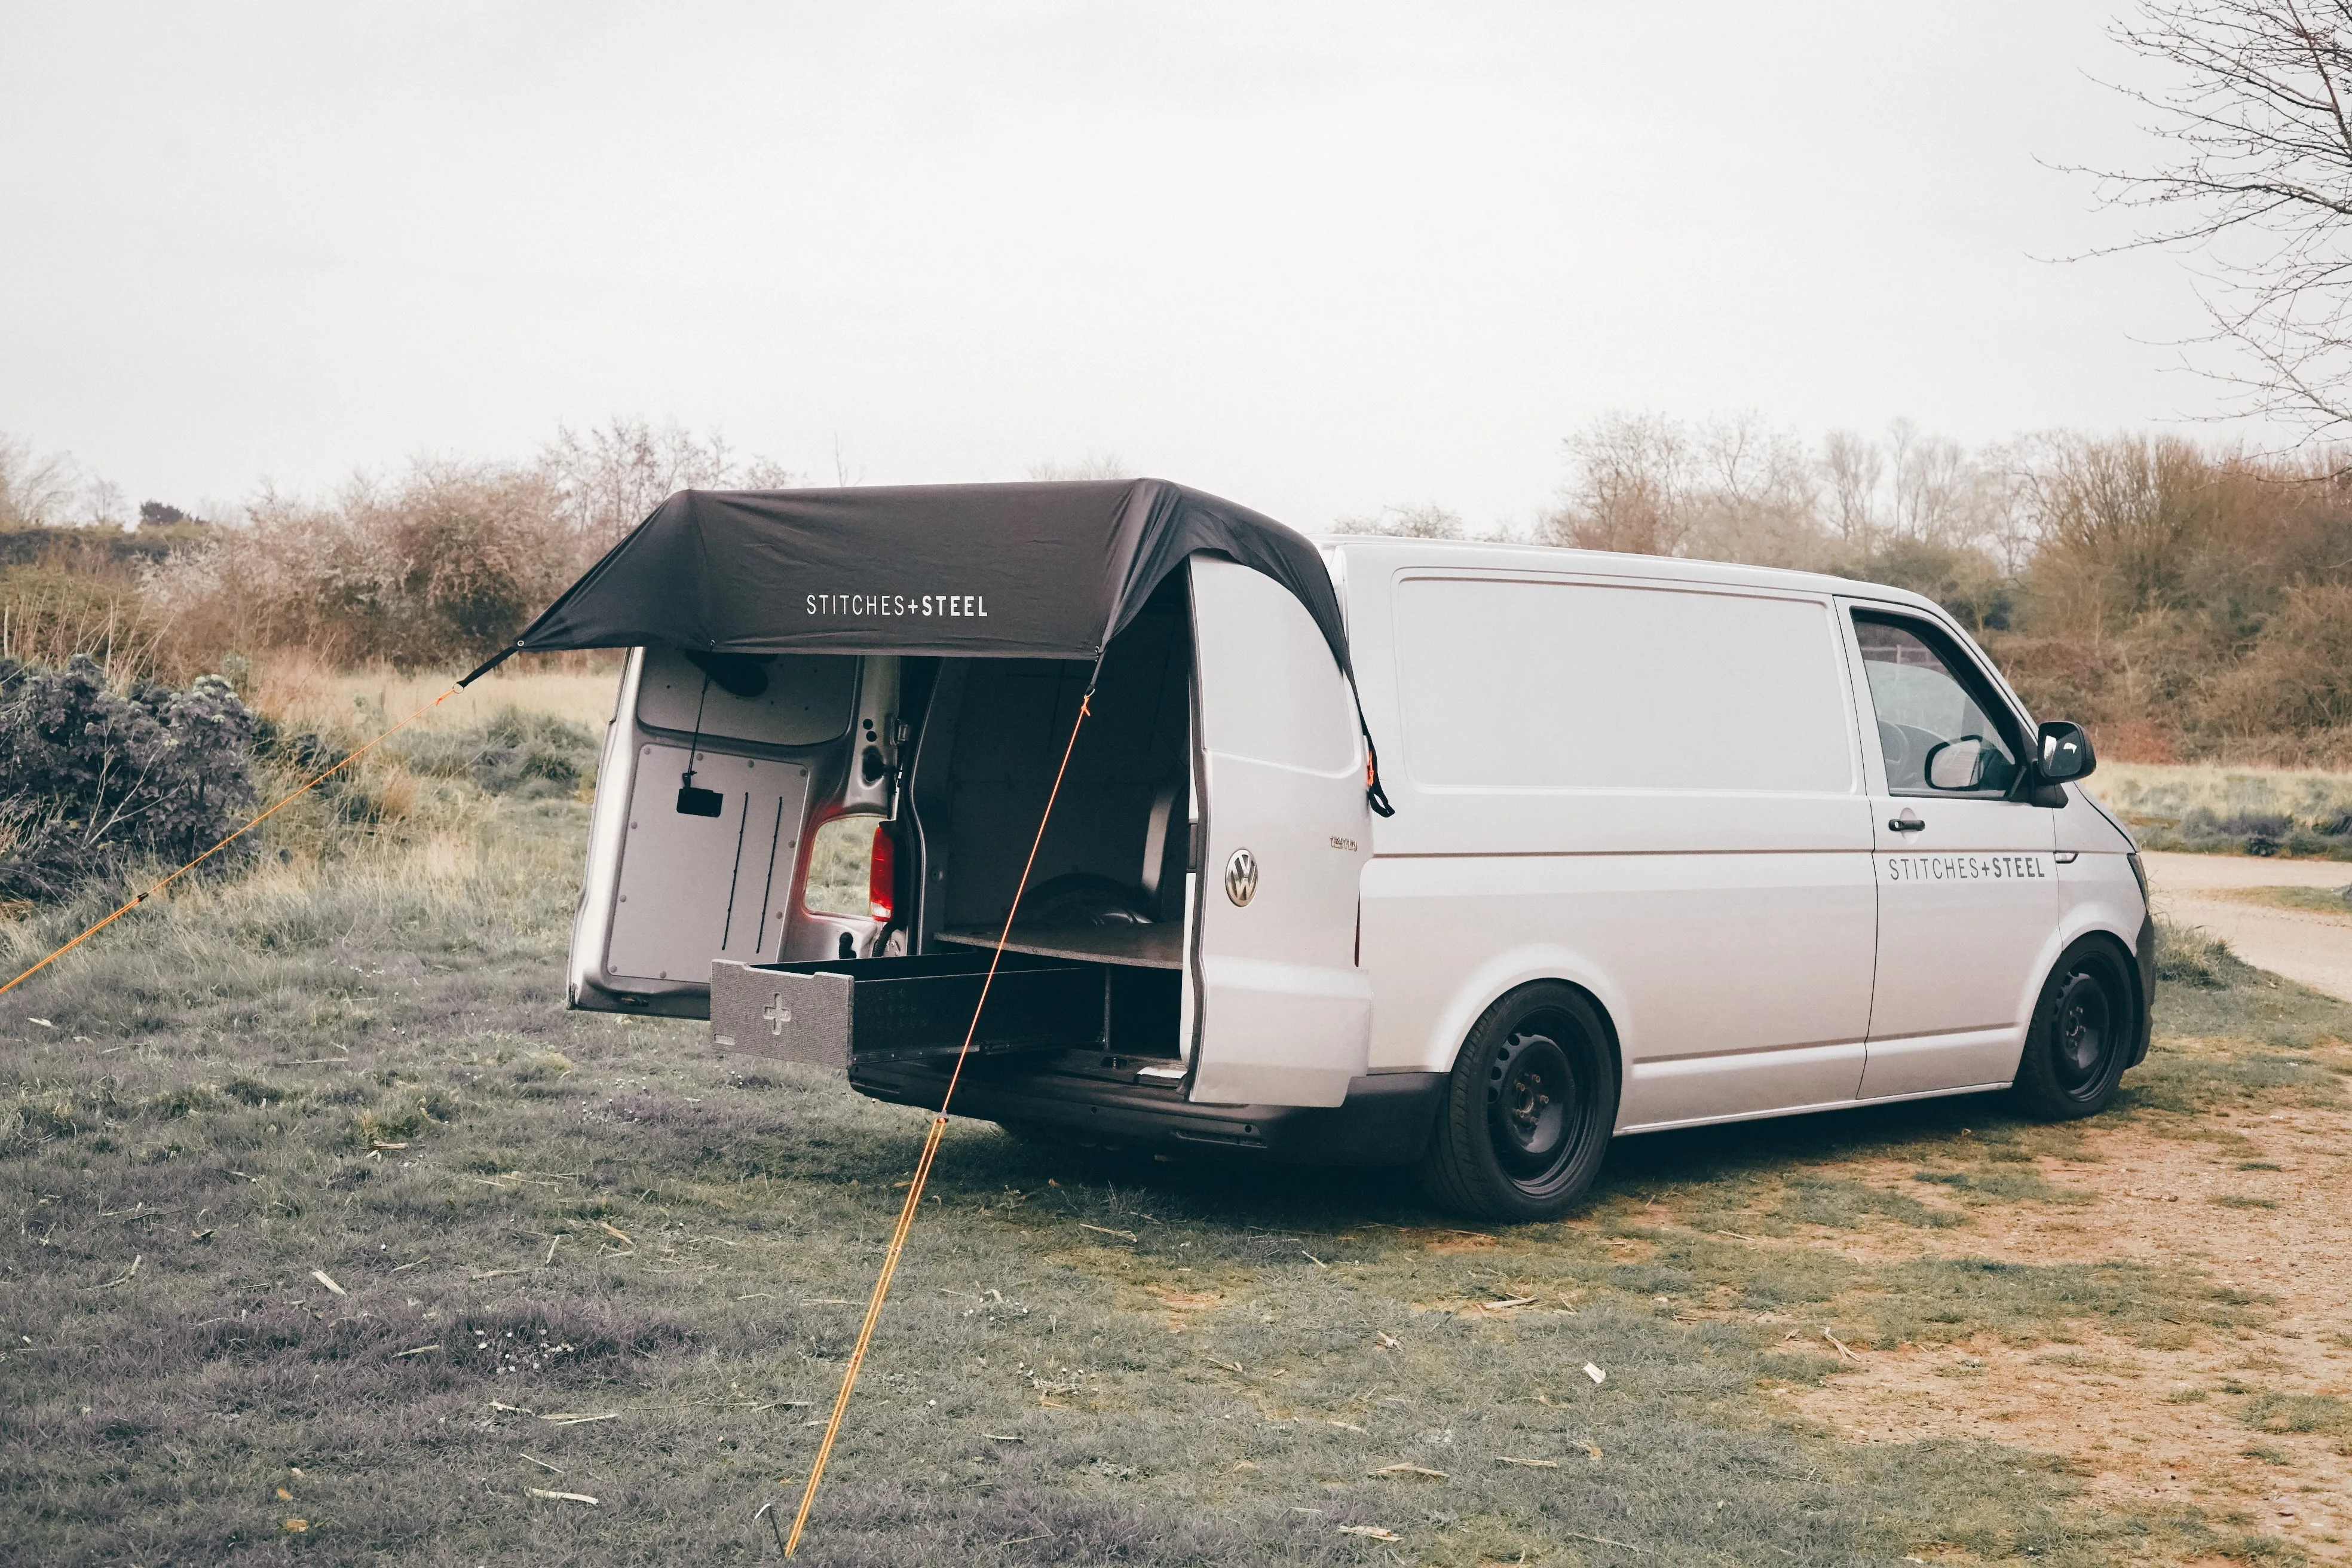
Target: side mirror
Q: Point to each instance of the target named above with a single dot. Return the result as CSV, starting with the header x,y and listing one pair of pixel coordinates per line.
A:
x,y
2066,752
1957,765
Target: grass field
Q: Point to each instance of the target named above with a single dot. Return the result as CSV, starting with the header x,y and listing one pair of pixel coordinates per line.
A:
x,y
2266,811
338,1239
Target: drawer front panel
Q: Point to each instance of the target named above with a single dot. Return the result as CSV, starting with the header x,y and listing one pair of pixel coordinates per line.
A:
x,y
874,1010
775,1012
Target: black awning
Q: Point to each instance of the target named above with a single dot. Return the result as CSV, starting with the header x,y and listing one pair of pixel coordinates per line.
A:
x,y
1034,571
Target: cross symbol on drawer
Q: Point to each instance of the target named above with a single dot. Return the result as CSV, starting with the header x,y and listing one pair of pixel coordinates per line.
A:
x,y
778,1014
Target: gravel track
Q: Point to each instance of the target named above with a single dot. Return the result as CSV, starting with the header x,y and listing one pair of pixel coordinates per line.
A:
x,y
2306,946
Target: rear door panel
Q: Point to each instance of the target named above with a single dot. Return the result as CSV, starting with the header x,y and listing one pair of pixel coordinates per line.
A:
x,y
665,892
696,889
1285,1014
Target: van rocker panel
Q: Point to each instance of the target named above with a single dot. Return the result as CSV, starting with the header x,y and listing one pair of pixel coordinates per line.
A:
x,y
1385,1120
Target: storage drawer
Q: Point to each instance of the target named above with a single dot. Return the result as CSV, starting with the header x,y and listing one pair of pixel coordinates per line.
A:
x,y
830,1013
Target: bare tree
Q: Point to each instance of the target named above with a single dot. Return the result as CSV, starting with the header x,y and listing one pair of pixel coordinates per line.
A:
x,y
609,478
35,490
1633,477
1755,496
104,505
2003,501
2259,112
1933,484
2123,518
1853,467
1425,521
1093,465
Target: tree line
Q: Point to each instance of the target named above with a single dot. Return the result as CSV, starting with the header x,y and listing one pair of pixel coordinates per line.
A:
x,y
2187,601
435,564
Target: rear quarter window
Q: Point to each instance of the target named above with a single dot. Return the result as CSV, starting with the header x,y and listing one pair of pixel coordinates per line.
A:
x,y
1518,684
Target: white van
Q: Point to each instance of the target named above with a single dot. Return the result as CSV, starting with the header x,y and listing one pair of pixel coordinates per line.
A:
x,y
1672,843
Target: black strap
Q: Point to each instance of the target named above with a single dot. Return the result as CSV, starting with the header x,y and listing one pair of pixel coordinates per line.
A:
x,y
1374,795
696,744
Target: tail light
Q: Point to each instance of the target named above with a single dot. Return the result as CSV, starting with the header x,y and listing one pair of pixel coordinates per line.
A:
x,y
882,876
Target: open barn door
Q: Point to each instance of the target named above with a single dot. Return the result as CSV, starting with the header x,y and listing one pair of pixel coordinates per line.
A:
x,y
680,872
1285,1014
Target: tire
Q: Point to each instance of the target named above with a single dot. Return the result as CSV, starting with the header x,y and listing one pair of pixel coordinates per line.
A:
x,y
2084,1024
1529,1110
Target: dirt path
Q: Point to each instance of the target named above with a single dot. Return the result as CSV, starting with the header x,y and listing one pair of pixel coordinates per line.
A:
x,y
2305,945
2155,1424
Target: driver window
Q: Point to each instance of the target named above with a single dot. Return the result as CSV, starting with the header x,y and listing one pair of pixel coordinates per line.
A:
x,y
1921,689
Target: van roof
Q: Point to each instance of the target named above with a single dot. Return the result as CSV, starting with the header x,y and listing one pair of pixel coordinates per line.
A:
x,y
1379,552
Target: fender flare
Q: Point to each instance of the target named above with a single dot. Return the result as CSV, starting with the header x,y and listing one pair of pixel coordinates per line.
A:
x,y
1506,972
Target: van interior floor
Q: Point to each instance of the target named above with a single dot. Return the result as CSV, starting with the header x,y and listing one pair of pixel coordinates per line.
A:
x,y
1156,946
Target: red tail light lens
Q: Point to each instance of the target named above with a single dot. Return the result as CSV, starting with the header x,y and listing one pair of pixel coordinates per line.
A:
x,y
882,877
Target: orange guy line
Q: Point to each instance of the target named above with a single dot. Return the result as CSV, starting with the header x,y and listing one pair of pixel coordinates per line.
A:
x,y
232,839
931,1152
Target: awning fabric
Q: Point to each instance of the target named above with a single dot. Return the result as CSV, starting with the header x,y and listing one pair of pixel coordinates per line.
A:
x,y
1031,571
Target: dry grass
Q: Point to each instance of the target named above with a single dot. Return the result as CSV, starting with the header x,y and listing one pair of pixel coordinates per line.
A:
x,y
2310,900
2175,789
355,1061
47,616
2259,810
301,692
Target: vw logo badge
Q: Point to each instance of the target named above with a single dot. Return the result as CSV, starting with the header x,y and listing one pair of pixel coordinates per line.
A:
x,y
1241,877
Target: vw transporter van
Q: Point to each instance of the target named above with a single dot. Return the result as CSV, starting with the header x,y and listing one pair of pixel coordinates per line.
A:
x,y
1647,843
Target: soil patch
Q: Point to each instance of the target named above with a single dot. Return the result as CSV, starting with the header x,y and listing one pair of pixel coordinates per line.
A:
x,y
2251,1425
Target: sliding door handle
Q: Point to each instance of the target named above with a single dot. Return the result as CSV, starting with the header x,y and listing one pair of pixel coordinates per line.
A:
x,y
1908,822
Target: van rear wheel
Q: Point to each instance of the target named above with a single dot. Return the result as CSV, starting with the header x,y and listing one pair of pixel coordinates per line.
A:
x,y
1528,1110
2084,1026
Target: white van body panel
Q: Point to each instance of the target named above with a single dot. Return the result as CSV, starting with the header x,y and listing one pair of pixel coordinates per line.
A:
x,y
1694,1045
1747,944
1662,779
1285,1014
1967,903
608,820
2087,827
2097,890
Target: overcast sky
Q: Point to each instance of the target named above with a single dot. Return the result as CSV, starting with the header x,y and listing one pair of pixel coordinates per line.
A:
x,y
1319,257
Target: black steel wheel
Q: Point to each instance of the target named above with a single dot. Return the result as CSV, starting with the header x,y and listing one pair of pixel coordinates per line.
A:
x,y
1529,1111
2080,1041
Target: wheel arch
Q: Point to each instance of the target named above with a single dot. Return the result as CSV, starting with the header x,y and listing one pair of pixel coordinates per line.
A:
x,y
1505,977
2052,1082
2076,935
2099,918
2125,954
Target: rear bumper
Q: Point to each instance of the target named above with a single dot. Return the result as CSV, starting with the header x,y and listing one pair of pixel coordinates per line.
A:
x,y
1386,1120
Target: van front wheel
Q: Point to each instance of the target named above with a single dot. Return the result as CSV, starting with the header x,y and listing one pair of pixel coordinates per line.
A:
x,y
1528,1110
2084,1026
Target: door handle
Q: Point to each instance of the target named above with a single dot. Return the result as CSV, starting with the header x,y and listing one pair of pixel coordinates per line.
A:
x,y
1908,822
